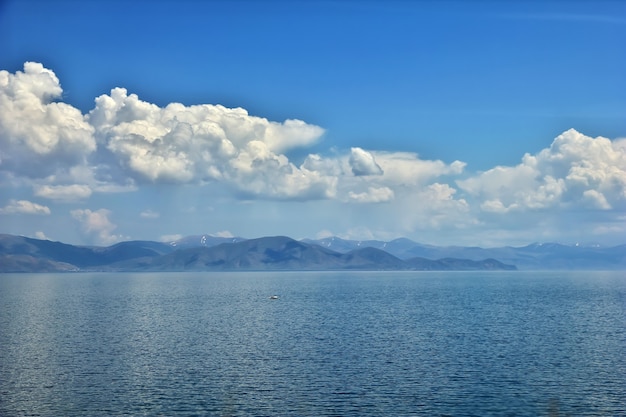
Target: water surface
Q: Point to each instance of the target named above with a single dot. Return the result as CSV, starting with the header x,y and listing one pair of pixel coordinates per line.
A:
x,y
332,344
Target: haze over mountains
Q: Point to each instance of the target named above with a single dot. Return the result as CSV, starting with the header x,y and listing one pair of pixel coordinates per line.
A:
x,y
210,253
535,256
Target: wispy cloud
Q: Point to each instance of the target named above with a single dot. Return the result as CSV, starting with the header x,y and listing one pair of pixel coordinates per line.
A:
x,y
149,214
63,192
170,238
24,207
97,226
223,233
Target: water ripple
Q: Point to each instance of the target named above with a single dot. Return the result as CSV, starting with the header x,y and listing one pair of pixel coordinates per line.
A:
x,y
332,344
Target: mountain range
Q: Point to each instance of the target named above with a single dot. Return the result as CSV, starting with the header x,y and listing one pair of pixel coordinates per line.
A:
x,y
536,256
211,253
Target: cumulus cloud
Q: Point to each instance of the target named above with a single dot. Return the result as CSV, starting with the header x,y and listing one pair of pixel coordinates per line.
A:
x,y
436,206
596,199
192,144
24,207
406,168
37,134
376,176
575,171
97,226
98,176
41,137
63,192
125,141
363,163
41,236
259,172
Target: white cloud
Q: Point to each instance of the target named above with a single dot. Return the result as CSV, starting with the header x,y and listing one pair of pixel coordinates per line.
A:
x,y
358,233
140,142
496,206
373,195
618,228
149,214
596,199
170,238
390,174
192,144
42,138
38,135
97,226
281,137
406,168
24,207
438,208
363,163
422,209
223,233
327,166
125,143
41,236
63,192
322,234
99,177
259,172
576,170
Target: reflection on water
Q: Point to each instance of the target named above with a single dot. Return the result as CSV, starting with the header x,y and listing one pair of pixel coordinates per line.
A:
x,y
332,344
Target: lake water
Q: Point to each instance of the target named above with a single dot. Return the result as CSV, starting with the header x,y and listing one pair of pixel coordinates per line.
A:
x,y
332,344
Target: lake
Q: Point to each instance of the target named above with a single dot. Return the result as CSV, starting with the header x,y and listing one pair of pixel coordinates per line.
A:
x,y
332,344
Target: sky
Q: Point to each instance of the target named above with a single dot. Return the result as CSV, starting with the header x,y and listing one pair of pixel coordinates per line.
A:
x,y
476,123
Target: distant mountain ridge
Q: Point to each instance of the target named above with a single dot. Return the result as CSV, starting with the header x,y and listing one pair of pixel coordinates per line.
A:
x,y
533,257
203,240
206,252
22,254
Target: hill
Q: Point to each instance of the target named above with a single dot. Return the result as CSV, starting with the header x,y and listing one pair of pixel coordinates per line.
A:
x,y
531,257
22,254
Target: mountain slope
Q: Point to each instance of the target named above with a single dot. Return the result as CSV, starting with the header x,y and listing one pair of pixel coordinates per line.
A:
x,y
20,254
534,256
283,253
254,254
203,252
199,241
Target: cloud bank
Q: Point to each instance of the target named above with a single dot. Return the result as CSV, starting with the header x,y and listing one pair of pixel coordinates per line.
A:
x,y
37,134
202,143
125,144
124,141
575,171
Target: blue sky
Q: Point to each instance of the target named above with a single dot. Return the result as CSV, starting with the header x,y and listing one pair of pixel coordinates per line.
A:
x,y
474,123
